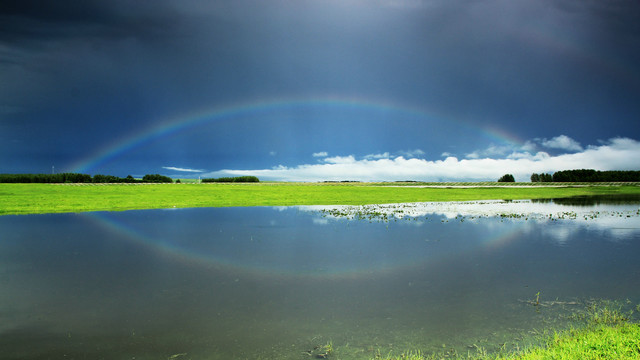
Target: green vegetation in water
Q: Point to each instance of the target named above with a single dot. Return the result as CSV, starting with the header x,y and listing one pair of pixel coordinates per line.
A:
x,y
607,332
415,212
320,351
57,198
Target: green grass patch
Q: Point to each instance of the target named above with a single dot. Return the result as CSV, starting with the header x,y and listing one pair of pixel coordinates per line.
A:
x,y
597,342
608,333
57,198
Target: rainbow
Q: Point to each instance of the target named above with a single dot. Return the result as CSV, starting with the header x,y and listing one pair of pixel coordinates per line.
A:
x,y
184,122
124,228
119,226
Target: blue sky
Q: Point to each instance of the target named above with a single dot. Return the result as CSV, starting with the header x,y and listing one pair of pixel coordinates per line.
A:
x,y
320,90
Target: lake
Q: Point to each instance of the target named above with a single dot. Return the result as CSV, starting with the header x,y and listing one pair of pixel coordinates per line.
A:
x,y
288,282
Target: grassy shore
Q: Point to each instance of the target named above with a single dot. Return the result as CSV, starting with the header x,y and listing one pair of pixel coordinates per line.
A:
x,y
599,342
58,198
607,332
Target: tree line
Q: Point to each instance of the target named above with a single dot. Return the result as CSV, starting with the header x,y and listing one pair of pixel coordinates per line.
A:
x,y
581,175
590,175
62,178
244,179
541,177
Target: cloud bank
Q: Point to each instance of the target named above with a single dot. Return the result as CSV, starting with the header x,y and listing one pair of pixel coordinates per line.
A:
x,y
614,154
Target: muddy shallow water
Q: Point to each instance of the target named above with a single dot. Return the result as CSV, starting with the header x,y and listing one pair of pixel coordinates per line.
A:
x,y
236,283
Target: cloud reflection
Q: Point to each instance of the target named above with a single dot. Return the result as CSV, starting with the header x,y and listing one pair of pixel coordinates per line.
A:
x,y
616,221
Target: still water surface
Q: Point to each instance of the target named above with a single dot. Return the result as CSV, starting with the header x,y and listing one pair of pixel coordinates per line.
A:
x,y
275,283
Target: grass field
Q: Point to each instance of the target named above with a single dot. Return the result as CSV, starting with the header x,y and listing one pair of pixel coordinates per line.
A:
x,y
57,198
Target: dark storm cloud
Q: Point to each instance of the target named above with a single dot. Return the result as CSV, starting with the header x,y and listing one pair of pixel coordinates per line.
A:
x,y
31,21
34,21
421,51
535,69
48,47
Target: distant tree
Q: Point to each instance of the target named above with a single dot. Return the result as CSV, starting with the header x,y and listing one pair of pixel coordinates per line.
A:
x,y
77,178
178,181
45,178
590,175
157,178
535,177
99,178
232,179
507,178
542,177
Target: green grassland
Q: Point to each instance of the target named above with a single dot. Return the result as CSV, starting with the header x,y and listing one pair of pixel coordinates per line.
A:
x,y
58,198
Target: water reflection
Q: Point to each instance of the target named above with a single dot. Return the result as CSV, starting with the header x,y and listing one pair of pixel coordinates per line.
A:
x,y
276,282
594,200
617,217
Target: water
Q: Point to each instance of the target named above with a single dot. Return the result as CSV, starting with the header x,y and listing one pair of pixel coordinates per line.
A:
x,y
267,283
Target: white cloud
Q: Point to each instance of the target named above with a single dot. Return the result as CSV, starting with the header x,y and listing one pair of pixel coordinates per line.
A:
x,y
615,154
527,155
491,151
181,169
340,160
412,153
529,146
384,155
320,154
562,142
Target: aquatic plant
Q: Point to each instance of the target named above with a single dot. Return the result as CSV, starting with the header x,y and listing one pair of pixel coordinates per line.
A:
x,y
604,312
410,355
320,351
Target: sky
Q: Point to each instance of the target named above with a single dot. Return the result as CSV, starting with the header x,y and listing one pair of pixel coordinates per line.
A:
x,y
314,90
